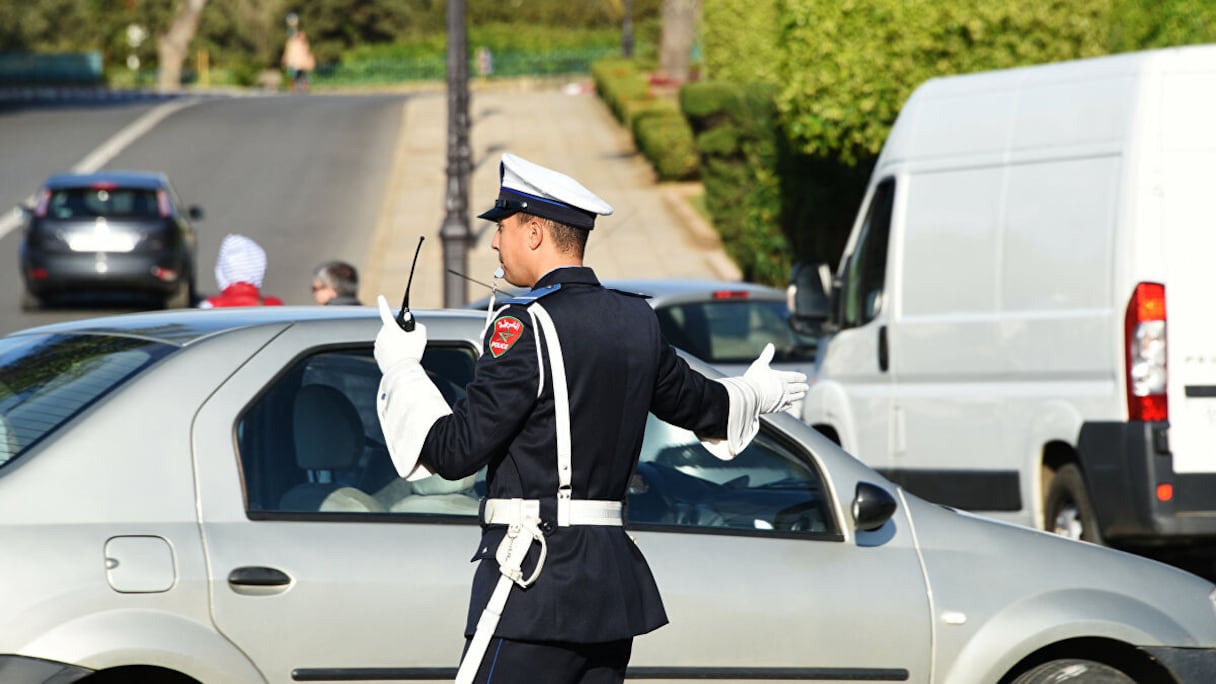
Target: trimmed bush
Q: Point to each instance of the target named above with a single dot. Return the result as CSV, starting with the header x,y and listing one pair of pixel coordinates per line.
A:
x,y
662,136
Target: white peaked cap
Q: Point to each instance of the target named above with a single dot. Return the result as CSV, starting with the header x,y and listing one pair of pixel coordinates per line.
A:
x,y
241,260
532,188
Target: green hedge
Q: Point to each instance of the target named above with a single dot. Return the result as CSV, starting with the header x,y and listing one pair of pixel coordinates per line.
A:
x,y
660,131
663,136
740,151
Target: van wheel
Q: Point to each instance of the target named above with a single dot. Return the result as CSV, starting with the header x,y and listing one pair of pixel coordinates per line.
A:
x,y
1067,510
1073,671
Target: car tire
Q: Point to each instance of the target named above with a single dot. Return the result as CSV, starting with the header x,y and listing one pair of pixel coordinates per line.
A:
x,y
1073,671
30,302
180,297
1067,510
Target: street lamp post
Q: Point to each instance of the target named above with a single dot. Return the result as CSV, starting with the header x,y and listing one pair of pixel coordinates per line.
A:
x,y
455,232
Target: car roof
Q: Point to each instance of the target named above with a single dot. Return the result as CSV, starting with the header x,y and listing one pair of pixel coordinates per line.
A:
x,y
181,327
135,179
667,290
679,287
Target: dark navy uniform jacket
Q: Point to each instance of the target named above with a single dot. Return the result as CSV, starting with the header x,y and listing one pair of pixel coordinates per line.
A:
x,y
594,586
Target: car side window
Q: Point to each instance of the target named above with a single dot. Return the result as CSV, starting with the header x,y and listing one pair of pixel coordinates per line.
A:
x,y
311,443
769,488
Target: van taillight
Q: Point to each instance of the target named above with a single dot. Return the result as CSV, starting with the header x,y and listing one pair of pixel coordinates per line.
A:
x,y
1144,335
44,199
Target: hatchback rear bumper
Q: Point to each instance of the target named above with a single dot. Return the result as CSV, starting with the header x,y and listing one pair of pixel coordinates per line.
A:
x,y
74,272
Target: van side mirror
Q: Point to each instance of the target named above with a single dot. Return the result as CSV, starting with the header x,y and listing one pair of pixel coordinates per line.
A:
x,y
811,288
873,506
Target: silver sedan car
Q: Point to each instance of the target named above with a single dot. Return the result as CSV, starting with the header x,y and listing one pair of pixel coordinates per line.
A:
x,y
205,496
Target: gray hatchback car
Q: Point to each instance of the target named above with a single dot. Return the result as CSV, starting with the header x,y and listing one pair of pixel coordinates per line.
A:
x,y
109,232
205,496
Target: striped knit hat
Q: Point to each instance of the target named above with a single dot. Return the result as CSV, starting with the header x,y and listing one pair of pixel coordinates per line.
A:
x,y
241,260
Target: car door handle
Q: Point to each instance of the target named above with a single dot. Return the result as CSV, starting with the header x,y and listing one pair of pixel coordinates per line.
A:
x,y
256,576
883,355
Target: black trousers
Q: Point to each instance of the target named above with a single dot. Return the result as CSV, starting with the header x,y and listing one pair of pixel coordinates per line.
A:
x,y
553,662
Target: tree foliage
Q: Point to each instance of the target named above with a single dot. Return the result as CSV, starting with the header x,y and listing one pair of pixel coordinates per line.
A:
x,y
847,67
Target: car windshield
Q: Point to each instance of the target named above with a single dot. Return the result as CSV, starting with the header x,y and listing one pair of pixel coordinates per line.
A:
x,y
77,203
734,330
45,380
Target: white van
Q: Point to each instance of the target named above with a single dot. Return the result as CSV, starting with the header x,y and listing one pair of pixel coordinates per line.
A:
x,y
1024,318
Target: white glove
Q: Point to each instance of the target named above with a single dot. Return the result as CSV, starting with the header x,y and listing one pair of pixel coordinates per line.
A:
x,y
760,390
776,390
394,345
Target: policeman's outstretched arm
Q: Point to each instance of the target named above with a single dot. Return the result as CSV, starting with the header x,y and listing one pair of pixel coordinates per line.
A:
x,y
408,403
759,390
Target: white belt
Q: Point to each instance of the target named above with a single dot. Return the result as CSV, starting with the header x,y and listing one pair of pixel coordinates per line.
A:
x,y
582,512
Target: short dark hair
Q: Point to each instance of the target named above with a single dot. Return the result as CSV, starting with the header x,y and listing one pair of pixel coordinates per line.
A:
x,y
569,239
340,276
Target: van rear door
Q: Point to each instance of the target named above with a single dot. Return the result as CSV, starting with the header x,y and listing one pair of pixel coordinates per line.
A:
x,y
1188,158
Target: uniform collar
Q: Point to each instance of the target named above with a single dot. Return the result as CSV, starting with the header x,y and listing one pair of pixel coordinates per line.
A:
x,y
567,275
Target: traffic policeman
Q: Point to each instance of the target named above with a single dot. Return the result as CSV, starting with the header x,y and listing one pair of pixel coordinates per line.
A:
x,y
556,411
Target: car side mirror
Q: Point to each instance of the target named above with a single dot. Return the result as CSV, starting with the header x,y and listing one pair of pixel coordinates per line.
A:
x,y
873,506
810,298
195,213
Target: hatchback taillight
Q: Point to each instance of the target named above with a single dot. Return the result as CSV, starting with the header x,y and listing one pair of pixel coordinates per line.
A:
x,y
162,204
44,200
1144,337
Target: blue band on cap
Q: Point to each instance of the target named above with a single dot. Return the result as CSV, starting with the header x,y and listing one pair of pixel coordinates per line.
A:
x,y
546,208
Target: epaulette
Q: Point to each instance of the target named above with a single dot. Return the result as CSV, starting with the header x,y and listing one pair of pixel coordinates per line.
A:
x,y
529,297
627,293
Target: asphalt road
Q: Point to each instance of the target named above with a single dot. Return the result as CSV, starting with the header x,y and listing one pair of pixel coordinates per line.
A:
x,y
305,176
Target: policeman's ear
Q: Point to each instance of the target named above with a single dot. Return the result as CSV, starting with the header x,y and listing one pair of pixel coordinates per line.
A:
x,y
536,232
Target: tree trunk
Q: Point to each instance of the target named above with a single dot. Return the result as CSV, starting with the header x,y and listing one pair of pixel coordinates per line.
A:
x,y
680,18
173,45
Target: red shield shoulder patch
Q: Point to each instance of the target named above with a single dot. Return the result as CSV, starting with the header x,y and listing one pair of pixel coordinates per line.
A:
x,y
507,331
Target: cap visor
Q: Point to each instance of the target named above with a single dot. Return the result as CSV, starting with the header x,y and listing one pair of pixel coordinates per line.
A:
x,y
496,214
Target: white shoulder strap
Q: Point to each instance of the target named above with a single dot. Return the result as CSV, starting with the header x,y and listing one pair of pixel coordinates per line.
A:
x,y
561,411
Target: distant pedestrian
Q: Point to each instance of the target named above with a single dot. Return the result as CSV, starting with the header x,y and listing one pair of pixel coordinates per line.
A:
x,y
298,61
336,283
239,271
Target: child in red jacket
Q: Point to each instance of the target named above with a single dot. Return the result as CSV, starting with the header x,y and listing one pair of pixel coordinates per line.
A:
x,y
239,271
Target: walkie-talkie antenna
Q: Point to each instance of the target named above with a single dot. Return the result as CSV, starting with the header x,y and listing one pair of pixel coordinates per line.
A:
x,y
408,325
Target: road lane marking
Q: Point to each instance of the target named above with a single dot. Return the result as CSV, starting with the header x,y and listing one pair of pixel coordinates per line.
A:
x,y
105,152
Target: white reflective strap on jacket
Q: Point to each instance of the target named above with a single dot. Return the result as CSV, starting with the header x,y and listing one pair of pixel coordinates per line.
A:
x,y
561,411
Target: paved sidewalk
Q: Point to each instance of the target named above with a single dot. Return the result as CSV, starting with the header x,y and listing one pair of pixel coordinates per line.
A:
x,y
652,233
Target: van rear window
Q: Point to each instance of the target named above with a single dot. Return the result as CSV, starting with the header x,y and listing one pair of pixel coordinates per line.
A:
x,y
46,380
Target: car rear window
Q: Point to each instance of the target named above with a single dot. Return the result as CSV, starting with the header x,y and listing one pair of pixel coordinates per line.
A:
x,y
86,203
733,330
45,380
